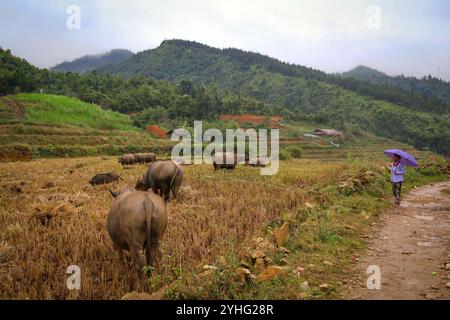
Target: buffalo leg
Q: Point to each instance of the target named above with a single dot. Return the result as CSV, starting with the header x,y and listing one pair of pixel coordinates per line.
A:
x,y
120,252
138,262
152,253
165,192
174,191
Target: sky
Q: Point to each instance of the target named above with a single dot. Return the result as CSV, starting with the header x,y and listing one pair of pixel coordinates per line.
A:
x,y
394,36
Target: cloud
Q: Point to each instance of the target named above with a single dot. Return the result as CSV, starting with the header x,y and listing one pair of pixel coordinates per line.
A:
x,y
326,34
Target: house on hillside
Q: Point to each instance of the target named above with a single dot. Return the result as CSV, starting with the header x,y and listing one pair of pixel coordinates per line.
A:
x,y
328,133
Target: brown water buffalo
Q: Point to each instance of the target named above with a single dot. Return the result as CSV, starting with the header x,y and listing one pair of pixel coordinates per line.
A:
x,y
102,178
139,157
224,160
149,157
127,159
144,157
136,221
162,177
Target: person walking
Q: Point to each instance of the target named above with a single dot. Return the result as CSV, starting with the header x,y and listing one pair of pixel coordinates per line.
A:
x,y
397,172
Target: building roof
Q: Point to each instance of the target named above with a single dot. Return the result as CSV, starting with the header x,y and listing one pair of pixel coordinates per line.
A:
x,y
328,132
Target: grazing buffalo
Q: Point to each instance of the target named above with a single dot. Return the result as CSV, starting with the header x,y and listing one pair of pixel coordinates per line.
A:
x,y
136,221
162,177
256,162
145,157
225,160
139,157
149,157
102,178
127,159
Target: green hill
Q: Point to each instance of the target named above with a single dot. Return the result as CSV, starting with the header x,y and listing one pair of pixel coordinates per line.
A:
x,y
366,74
92,62
61,110
40,125
231,69
308,94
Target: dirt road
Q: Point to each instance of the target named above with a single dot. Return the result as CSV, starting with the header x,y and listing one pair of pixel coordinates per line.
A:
x,y
411,245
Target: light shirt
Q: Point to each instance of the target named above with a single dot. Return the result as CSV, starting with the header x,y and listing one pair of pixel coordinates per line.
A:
x,y
397,172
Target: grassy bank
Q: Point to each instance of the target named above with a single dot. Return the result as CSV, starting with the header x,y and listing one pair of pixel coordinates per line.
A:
x,y
43,126
57,110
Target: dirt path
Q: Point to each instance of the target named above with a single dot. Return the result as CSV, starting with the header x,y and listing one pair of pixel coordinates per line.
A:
x,y
411,245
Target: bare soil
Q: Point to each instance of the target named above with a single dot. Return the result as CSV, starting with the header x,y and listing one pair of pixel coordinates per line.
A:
x,y
411,245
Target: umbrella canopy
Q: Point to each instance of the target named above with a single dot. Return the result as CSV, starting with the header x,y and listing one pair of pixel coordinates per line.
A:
x,y
406,158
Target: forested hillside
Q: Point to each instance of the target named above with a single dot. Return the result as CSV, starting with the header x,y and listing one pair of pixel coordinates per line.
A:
x,y
428,86
232,69
146,99
92,62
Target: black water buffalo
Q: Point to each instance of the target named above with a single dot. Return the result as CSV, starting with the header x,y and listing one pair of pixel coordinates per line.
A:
x,y
102,178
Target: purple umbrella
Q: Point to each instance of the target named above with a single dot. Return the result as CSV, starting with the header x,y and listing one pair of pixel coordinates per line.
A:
x,y
406,158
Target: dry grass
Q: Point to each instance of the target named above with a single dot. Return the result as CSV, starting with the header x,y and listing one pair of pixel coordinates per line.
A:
x,y
46,212
6,252
217,214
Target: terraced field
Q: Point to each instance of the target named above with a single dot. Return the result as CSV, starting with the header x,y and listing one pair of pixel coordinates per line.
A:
x,y
369,148
25,141
26,132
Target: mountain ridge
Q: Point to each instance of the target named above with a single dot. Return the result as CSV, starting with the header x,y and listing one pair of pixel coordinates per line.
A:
x,y
427,86
177,59
91,62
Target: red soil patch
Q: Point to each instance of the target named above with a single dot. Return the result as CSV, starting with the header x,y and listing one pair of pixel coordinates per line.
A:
x,y
252,118
156,131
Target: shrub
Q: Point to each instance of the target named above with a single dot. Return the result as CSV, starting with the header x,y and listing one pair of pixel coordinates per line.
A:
x,y
284,155
295,152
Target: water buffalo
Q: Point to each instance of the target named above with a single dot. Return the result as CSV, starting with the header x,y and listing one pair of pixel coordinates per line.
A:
x,y
127,159
102,178
161,177
225,160
139,157
136,221
144,157
257,162
149,157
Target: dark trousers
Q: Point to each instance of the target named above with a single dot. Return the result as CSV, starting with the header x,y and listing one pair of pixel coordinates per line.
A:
x,y
397,191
